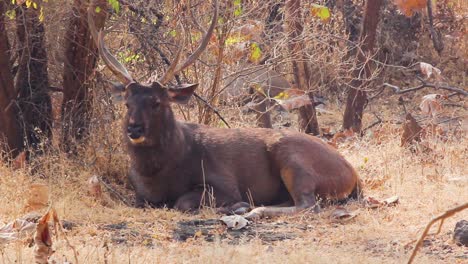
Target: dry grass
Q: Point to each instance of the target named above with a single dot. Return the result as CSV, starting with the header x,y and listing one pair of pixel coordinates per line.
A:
x,y
427,183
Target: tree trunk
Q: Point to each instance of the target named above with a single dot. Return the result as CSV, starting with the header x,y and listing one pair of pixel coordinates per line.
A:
x,y
10,133
307,116
357,98
80,63
32,79
272,30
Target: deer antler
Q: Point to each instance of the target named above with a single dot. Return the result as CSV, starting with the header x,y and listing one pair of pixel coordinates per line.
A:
x,y
174,69
114,65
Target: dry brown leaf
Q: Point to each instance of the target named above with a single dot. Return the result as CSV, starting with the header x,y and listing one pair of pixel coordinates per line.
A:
x,y
342,214
15,230
373,203
428,70
94,187
408,7
42,237
235,222
38,197
411,131
391,200
341,136
431,104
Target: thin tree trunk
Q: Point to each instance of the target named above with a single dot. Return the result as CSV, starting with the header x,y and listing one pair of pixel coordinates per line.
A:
x,y
32,79
357,98
80,63
272,30
307,116
10,133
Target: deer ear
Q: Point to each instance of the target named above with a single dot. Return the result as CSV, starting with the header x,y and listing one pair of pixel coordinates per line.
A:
x,y
181,93
117,91
117,87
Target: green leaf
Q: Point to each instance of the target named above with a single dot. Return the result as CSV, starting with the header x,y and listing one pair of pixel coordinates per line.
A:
x,y
11,14
41,14
173,33
321,12
97,9
255,52
238,6
115,5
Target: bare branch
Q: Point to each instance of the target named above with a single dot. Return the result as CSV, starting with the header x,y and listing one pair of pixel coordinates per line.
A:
x,y
425,84
441,217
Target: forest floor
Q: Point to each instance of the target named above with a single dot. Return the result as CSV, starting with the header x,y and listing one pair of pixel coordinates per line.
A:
x,y
428,180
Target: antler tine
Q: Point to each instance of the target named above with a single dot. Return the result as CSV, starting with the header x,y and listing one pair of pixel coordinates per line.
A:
x,y
194,56
114,65
171,70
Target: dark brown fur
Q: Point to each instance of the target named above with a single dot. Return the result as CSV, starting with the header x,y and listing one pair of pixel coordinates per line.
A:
x,y
177,160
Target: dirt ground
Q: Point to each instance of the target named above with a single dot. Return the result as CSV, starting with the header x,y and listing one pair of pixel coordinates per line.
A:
x,y
428,179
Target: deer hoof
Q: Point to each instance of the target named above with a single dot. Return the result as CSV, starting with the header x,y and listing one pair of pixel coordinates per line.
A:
x,y
255,213
241,210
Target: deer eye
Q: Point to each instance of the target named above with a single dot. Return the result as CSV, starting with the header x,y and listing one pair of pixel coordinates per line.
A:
x,y
155,104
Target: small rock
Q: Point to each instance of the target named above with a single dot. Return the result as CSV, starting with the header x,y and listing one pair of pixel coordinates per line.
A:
x,y
461,233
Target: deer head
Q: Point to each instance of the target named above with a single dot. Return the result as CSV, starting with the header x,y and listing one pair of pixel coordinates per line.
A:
x,y
149,115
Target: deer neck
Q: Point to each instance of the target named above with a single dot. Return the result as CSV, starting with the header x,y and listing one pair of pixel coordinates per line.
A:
x,y
171,146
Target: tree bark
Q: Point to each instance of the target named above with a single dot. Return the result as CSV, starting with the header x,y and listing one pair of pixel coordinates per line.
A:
x,y
307,116
32,79
357,98
80,62
10,133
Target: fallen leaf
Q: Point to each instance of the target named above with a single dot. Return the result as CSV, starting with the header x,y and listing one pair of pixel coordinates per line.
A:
x,y
373,203
342,136
411,131
94,187
431,104
428,70
391,200
42,237
16,229
342,214
235,222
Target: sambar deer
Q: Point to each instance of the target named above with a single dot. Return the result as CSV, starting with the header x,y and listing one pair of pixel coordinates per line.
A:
x,y
173,162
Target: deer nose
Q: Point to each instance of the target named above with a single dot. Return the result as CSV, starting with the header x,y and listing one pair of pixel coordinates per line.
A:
x,y
135,131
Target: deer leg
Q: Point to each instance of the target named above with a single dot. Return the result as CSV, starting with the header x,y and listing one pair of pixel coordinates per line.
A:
x,y
270,211
237,208
301,188
189,202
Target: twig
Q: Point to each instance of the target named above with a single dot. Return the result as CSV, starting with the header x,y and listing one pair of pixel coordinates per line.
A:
x,y
212,108
379,120
451,119
441,217
116,193
166,60
425,84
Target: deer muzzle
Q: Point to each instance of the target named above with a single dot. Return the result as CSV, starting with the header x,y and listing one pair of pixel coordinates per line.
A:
x,y
136,133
